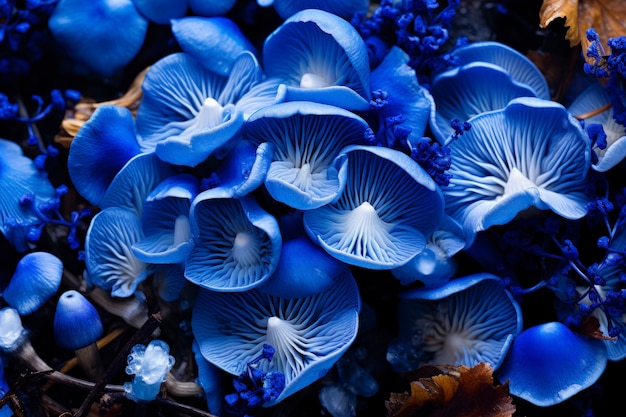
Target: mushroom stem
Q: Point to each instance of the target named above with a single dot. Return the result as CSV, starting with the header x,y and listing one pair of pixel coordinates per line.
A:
x,y
180,388
90,362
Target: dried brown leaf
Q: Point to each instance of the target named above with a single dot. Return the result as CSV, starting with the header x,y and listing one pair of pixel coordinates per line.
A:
x,y
566,9
607,17
466,392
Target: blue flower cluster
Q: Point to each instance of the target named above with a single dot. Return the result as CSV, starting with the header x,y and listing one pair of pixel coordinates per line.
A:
x,y
23,35
264,192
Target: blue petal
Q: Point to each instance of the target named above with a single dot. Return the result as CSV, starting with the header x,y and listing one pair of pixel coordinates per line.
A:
x,y
335,95
309,334
533,153
342,8
521,68
406,96
36,279
244,169
304,269
335,55
103,145
161,11
307,171
169,281
19,177
106,47
470,331
211,7
135,181
237,244
388,208
472,89
548,364
215,42
165,221
109,259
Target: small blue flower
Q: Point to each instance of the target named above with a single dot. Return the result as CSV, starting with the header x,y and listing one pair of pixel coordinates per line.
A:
x,y
611,149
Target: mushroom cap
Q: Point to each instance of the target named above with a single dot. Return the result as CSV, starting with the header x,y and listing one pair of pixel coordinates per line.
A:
x,y
592,98
102,146
469,90
36,279
237,243
453,324
308,170
215,42
165,221
405,96
161,11
521,68
303,269
109,258
335,60
106,47
381,220
18,177
342,8
309,334
76,322
548,363
532,153
188,112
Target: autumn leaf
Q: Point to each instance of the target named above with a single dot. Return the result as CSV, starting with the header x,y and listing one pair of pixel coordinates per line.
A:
x,y
607,17
454,392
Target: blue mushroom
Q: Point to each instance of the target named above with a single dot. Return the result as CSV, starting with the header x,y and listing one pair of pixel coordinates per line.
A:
x,y
309,334
188,112
109,259
103,145
165,221
342,8
77,323
149,365
452,323
102,48
237,243
215,42
549,363
469,90
384,215
610,148
36,279
333,69
308,170
19,177
521,69
533,153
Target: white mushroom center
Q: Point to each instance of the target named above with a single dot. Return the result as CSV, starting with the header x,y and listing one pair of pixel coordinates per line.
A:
x,y
246,249
182,230
310,80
